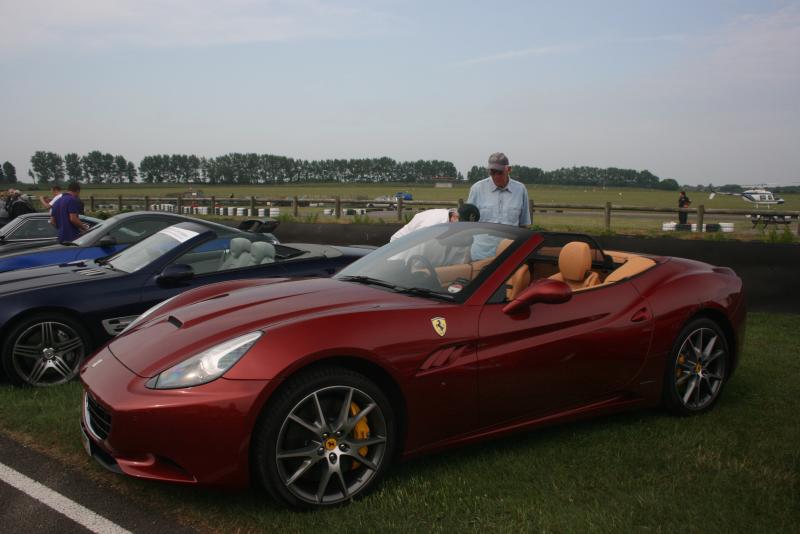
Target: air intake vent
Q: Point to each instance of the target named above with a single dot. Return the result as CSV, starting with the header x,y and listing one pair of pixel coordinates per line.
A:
x,y
97,418
91,272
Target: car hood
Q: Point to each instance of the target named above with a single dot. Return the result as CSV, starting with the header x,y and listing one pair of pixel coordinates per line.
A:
x,y
53,276
187,330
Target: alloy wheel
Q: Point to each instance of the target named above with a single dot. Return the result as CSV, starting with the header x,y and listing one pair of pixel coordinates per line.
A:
x,y
700,368
47,353
330,445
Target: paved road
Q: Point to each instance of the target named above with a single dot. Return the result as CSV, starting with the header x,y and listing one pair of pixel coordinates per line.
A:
x,y
38,494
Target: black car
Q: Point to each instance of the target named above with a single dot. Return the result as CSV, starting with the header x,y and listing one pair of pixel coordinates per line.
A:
x,y
52,317
33,230
113,235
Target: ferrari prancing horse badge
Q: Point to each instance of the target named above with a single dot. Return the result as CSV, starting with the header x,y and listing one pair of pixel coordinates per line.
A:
x,y
439,325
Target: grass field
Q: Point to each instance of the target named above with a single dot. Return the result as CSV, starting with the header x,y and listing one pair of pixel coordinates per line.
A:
x,y
576,221
735,469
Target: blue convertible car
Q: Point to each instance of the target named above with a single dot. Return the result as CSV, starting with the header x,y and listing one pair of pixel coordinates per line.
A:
x,y
52,317
113,235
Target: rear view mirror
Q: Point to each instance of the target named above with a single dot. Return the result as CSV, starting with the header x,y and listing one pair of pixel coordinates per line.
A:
x,y
107,241
547,291
177,272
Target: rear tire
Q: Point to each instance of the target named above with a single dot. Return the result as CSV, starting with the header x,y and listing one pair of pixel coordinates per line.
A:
x,y
45,349
697,368
306,462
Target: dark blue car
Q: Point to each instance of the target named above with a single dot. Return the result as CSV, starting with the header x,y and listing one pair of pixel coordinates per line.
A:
x,y
52,317
113,235
32,230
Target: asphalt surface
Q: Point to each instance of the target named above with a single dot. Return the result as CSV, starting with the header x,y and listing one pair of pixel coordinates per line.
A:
x,y
19,512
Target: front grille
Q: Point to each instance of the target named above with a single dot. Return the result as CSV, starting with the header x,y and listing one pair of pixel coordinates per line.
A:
x,y
97,418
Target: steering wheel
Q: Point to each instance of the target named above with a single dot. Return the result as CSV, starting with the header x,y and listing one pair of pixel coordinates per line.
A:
x,y
433,277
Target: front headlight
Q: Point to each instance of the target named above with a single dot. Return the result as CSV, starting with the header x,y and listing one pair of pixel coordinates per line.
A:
x,y
206,366
139,320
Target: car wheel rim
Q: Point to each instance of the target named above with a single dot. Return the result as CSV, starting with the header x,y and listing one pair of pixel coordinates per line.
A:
x,y
331,444
700,368
47,354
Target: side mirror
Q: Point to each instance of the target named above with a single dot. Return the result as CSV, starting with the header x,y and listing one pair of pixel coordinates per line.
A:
x,y
107,241
547,291
177,272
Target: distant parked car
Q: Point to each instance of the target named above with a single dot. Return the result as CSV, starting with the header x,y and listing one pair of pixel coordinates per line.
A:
x,y
113,235
32,230
52,317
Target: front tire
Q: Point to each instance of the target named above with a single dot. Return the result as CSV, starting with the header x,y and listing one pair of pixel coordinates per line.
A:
x,y
697,369
44,350
326,439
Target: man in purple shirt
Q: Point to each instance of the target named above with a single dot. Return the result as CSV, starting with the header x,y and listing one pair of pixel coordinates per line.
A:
x,y
65,214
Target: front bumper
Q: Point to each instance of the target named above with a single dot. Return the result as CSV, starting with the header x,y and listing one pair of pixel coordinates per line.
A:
x,y
198,435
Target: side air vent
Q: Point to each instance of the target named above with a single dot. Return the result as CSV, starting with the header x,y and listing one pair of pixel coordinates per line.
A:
x,y
444,357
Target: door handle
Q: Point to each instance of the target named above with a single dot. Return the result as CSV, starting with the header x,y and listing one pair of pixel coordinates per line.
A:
x,y
642,314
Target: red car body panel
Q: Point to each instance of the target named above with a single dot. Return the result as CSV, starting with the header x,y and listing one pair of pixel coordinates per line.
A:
x,y
491,373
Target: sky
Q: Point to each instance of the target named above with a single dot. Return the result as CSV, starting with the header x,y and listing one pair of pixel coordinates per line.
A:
x,y
699,91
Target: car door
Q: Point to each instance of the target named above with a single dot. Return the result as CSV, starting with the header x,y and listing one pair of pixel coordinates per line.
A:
x,y
558,356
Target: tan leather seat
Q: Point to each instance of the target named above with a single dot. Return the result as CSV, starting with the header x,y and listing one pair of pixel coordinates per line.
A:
x,y
478,265
518,282
574,265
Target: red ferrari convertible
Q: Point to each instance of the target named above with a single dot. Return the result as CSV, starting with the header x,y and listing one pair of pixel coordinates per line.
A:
x,y
453,334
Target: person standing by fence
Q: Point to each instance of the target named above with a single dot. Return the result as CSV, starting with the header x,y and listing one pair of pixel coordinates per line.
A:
x,y
683,202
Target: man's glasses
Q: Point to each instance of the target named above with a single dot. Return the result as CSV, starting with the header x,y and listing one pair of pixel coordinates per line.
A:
x,y
495,171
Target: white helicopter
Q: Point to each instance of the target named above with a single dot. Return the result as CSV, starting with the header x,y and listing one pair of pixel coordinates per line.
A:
x,y
754,194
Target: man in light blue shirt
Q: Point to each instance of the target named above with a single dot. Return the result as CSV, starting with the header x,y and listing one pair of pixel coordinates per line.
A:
x,y
500,200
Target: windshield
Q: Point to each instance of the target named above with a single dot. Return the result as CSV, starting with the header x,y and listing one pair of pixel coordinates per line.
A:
x,y
83,240
147,251
442,261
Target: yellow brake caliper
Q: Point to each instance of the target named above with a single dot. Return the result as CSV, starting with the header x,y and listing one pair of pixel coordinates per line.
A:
x,y
361,431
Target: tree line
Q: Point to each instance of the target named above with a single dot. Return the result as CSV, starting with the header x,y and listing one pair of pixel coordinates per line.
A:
x,y
235,168
583,176
251,168
8,174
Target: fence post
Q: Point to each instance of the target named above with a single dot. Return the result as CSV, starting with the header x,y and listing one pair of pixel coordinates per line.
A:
x,y
213,210
400,209
179,205
253,206
608,216
798,224
337,209
531,210
460,202
119,203
146,203
701,212
91,203
295,206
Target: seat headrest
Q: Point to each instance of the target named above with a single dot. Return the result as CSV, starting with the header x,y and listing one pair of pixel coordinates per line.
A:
x,y
239,245
574,260
262,251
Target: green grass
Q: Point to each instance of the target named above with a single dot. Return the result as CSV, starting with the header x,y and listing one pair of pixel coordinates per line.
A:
x,y
628,223
735,469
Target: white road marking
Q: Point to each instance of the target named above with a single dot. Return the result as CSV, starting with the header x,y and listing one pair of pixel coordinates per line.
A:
x,y
80,514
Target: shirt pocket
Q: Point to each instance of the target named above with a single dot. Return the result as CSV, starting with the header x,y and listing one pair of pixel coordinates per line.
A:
x,y
511,215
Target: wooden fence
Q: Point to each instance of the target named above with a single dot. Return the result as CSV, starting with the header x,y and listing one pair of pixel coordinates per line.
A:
x,y
399,205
